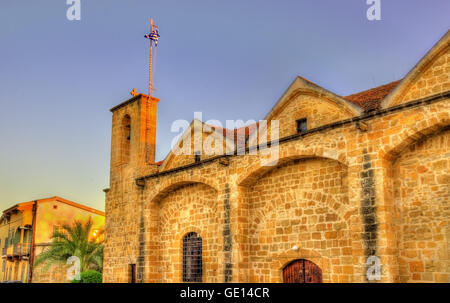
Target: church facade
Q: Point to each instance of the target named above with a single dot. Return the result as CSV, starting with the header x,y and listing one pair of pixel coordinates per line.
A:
x,y
359,190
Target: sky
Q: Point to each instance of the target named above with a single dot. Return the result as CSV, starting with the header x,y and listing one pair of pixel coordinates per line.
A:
x,y
227,59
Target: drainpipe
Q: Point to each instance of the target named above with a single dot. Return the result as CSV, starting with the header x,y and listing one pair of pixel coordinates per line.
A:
x,y
33,231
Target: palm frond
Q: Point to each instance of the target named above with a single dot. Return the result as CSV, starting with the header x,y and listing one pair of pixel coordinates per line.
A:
x,y
74,240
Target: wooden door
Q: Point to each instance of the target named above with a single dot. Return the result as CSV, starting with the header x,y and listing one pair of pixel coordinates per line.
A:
x,y
302,271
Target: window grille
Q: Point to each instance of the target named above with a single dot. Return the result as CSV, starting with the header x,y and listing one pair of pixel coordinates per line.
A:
x,y
192,258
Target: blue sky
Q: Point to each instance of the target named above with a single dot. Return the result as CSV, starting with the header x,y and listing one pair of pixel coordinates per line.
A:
x,y
227,59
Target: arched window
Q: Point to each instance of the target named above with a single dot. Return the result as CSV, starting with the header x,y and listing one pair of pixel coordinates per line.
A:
x,y
126,139
192,258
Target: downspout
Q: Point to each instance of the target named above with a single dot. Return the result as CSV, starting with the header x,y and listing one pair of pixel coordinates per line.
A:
x,y
33,231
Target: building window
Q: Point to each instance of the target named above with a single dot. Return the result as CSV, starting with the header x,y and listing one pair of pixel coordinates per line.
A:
x,y
22,273
17,236
301,126
11,235
132,273
192,258
26,236
197,156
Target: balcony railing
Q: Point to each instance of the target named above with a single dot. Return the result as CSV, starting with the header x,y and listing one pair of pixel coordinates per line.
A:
x,y
21,249
16,250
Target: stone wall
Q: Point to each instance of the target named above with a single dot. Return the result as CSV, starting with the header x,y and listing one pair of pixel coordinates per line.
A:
x,y
421,178
318,111
356,185
190,208
54,274
320,201
303,203
433,80
208,143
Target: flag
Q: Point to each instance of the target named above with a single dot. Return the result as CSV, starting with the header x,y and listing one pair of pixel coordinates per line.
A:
x,y
154,36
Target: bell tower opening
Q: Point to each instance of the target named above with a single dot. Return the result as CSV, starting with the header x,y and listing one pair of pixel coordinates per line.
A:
x,y
126,139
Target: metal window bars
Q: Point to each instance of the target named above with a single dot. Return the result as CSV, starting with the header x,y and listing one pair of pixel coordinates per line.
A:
x,y
192,258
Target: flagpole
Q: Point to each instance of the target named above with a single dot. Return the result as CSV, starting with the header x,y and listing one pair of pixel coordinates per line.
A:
x,y
150,64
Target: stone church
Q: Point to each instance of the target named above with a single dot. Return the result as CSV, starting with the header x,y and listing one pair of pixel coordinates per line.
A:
x,y
359,191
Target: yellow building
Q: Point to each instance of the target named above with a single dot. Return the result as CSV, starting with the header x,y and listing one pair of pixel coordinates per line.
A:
x,y
26,230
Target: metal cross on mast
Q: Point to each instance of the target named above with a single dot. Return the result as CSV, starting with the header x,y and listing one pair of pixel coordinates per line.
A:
x,y
153,37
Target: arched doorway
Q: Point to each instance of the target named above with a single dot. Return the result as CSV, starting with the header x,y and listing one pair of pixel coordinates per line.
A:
x,y
302,271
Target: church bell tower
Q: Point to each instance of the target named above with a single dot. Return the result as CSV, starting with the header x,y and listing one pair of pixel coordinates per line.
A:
x,y
133,137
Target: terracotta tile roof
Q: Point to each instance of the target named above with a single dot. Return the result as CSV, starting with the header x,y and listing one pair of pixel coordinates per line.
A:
x,y
233,133
370,99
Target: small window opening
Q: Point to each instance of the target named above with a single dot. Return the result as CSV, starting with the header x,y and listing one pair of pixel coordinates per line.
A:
x,y
126,139
301,126
128,131
197,157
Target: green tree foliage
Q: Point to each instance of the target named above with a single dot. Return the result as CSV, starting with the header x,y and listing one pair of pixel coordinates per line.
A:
x,y
89,276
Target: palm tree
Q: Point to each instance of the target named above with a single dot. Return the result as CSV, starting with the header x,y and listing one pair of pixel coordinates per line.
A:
x,y
75,240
